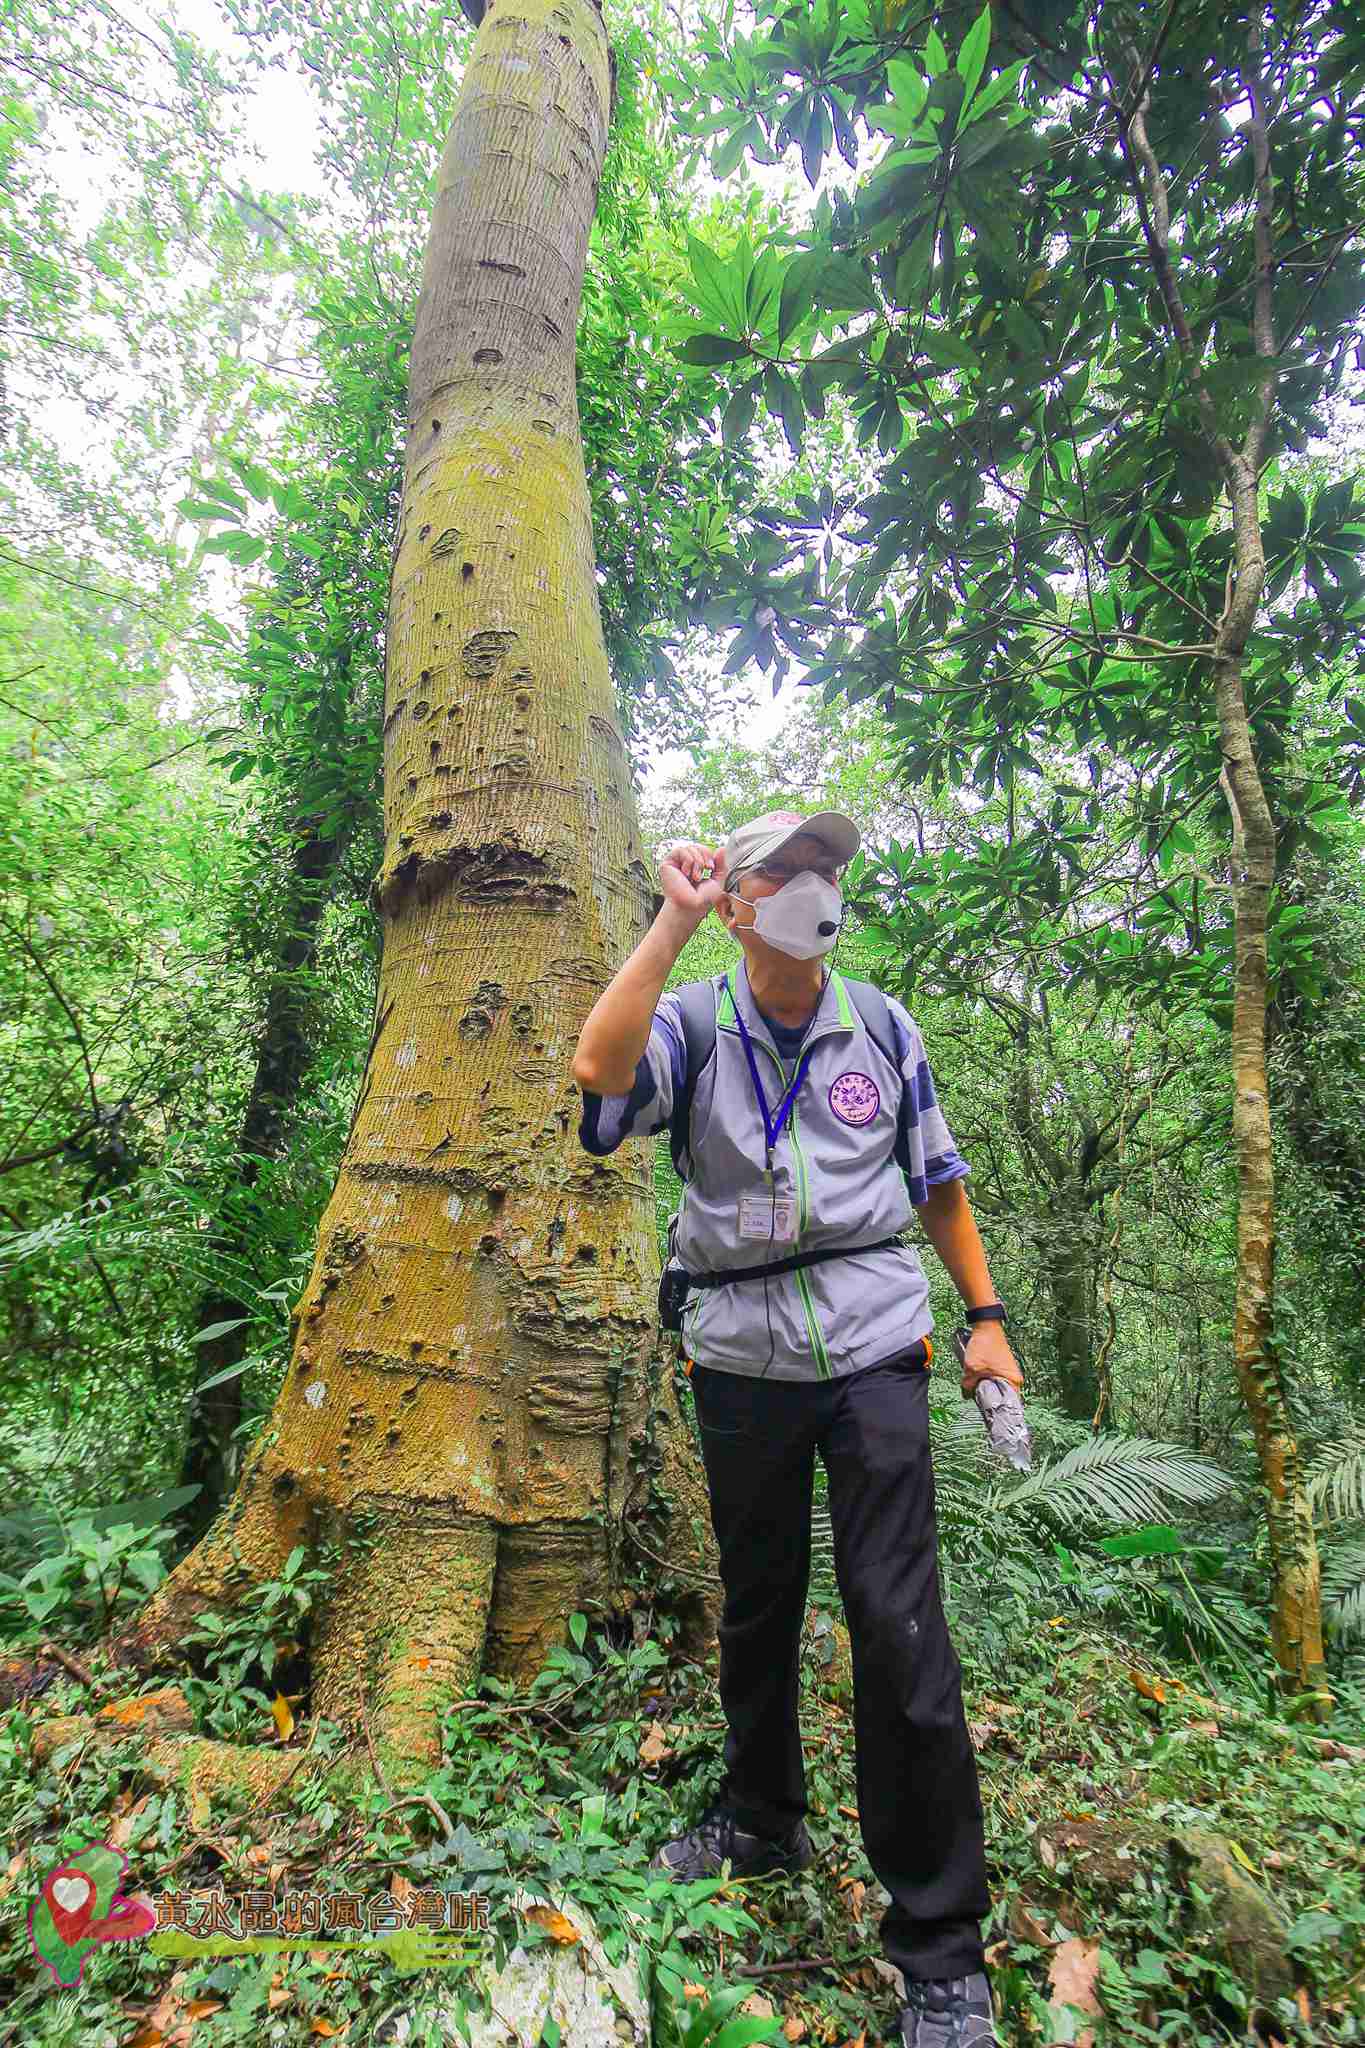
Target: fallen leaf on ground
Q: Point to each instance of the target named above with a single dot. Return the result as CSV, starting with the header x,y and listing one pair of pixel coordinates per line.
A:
x,y
1240,1853
655,1747
1204,1728
849,1812
694,1991
325,2028
1025,1925
201,2008
147,2037
1071,1980
283,1716
555,1924
757,2006
400,1888
1150,1688
856,1892
120,1834
794,2029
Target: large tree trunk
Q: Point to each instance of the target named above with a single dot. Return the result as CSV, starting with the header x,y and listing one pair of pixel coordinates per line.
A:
x,y
211,1458
475,1403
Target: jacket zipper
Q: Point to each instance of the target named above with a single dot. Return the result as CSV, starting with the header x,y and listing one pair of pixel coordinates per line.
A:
x,y
823,1368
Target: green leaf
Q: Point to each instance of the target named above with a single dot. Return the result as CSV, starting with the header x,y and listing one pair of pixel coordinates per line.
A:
x,y
1158,1539
712,348
738,415
254,477
195,508
741,2032
908,87
971,58
935,56
719,282
998,89
578,1629
218,1329
798,291
229,1372
843,286
725,158
225,496
245,549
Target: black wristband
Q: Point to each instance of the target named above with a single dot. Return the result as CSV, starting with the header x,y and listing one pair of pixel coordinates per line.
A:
x,y
989,1312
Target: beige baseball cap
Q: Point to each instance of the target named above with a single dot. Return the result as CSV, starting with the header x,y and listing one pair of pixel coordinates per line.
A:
x,y
750,845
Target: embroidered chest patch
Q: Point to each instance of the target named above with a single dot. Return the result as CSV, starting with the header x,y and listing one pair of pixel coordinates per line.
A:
x,y
855,1098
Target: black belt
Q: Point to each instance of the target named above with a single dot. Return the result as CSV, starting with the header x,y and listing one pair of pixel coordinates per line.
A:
x,y
847,1251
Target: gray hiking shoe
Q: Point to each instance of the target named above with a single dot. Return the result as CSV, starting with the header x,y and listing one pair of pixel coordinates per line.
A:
x,y
948,2012
718,1838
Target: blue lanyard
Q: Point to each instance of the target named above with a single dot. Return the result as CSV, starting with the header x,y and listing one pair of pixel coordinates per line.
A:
x,y
772,1127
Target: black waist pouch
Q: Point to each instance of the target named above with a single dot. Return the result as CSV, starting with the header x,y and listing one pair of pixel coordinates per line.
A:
x,y
674,1286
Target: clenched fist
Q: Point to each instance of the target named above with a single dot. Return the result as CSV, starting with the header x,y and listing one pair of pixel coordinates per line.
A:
x,y
682,865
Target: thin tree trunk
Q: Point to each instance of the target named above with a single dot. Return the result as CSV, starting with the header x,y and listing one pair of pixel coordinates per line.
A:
x,y
211,1457
1069,1270
1296,1623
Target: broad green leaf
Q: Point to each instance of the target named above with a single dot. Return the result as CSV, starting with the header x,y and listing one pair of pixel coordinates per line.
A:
x,y
711,349
971,58
1158,1539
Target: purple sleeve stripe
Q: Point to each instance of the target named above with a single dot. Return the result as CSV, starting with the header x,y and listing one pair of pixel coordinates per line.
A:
x,y
605,1117
945,1166
924,1086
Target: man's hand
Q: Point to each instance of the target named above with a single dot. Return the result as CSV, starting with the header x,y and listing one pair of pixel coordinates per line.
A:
x,y
989,1357
683,863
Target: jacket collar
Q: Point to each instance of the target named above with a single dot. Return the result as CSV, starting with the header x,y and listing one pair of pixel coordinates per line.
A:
x,y
835,1013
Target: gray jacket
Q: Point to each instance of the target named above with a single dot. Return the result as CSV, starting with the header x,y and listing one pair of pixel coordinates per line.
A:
x,y
834,1164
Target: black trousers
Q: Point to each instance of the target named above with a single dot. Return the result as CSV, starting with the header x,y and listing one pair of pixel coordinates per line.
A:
x,y
919,1802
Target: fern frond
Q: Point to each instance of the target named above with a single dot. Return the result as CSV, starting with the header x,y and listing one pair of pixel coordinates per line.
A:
x,y
1343,1584
1347,1614
1121,1479
1336,1484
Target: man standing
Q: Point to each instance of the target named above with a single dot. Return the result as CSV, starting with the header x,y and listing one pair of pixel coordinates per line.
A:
x,y
810,1141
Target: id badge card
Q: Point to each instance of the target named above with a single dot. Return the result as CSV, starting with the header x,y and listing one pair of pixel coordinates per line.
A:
x,y
771,1218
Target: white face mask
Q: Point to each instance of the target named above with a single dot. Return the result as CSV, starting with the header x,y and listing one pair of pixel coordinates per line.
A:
x,y
802,918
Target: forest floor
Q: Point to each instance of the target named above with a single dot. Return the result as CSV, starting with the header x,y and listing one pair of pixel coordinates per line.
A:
x,y
1102,1778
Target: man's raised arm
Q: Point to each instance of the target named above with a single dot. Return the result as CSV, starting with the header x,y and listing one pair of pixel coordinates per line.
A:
x,y
616,1032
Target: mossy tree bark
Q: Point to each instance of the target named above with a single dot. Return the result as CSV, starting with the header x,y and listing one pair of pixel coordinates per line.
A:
x,y
1296,1620
477,1411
